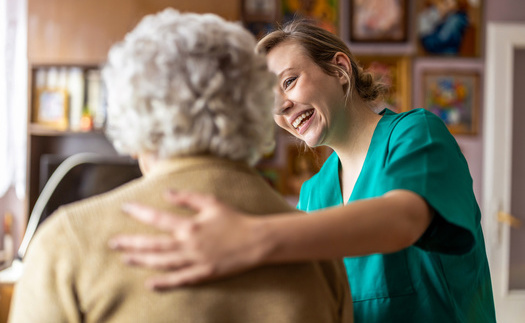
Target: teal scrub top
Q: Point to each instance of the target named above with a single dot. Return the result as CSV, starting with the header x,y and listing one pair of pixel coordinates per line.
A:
x,y
444,276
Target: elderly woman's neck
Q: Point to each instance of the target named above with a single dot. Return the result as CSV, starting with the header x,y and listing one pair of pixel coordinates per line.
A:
x,y
147,161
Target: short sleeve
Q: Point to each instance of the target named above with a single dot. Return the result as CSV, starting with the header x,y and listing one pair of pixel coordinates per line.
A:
x,y
424,157
45,292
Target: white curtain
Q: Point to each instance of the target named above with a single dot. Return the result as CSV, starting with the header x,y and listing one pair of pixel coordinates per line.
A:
x,y
13,95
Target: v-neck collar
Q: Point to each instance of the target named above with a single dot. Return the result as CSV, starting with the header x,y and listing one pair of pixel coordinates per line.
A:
x,y
376,135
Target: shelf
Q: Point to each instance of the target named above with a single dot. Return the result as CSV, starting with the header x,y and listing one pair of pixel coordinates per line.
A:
x,y
83,32
40,130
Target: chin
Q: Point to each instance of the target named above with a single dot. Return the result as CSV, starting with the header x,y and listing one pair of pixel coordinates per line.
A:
x,y
314,136
312,141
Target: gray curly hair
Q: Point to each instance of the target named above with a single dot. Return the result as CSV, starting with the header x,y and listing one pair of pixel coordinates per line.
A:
x,y
185,84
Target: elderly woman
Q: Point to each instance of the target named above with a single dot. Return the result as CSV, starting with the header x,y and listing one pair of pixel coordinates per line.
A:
x,y
189,97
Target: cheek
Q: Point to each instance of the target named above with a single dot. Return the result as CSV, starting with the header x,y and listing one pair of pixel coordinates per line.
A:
x,y
281,122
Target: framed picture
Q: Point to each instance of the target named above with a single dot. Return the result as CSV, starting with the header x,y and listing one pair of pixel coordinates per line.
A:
x,y
393,71
324,12
378,20
448,27
453,96
259,16
52,108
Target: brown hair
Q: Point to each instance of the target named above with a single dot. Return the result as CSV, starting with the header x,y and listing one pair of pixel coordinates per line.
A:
x,y
321,46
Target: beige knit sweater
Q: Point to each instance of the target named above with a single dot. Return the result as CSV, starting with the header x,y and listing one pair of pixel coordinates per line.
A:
x,y
71,276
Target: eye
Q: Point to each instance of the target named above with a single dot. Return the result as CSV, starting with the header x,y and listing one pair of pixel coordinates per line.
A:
x,y
288,82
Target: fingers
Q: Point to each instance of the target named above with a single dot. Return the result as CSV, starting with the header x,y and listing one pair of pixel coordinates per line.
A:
x,y
186,276
161,220
167,221
156,260
190,253
194,201
138,243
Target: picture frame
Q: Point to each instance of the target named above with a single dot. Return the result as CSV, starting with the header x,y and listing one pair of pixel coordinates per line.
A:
x,y
378,21
325,13
448,28
395,72
453,95
52,108
259,16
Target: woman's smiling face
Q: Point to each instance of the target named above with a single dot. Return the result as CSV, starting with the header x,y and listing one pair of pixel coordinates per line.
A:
x,y
309,102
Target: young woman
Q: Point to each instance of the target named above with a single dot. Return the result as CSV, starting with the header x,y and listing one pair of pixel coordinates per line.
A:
x,y
408,225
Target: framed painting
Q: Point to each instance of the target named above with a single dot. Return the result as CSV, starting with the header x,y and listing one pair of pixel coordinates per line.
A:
x,y
378,20
448,27
394,72
324,13
453,96
52,109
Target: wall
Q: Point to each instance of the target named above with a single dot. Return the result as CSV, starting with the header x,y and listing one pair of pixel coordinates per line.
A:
x,y
505,10
517,256
82,31
511,11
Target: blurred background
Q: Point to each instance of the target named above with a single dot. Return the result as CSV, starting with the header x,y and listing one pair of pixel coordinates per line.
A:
x,y
52,100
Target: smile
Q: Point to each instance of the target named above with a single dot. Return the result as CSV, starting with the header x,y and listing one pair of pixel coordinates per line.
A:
x,y
302,118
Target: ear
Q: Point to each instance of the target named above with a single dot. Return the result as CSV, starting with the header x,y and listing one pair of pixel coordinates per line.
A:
x,y
340,59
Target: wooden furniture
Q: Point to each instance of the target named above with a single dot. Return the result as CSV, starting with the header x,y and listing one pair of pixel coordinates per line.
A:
x,y
6,292
80,33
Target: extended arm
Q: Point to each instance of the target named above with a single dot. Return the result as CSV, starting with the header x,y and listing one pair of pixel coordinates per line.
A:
x,y
381,225
220,241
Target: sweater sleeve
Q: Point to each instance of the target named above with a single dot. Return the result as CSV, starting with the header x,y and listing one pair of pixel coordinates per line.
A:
x,y
46,290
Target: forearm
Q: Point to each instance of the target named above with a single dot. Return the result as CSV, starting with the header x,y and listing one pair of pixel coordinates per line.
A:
x,y
221,241
382,225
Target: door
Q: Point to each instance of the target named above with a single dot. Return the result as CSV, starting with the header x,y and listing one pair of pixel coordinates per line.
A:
x,y
504,167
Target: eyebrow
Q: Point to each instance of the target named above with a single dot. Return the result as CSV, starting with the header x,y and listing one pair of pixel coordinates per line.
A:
x,y
283,71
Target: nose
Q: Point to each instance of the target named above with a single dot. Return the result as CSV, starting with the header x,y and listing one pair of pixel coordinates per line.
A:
x,y
281,103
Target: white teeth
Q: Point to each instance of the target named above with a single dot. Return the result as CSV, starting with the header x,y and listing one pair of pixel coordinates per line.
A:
x,y
300,118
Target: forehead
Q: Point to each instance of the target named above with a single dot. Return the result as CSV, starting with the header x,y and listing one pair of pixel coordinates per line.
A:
x,y
288,54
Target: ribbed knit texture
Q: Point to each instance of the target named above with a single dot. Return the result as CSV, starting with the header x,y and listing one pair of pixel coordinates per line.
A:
x,y
72,276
